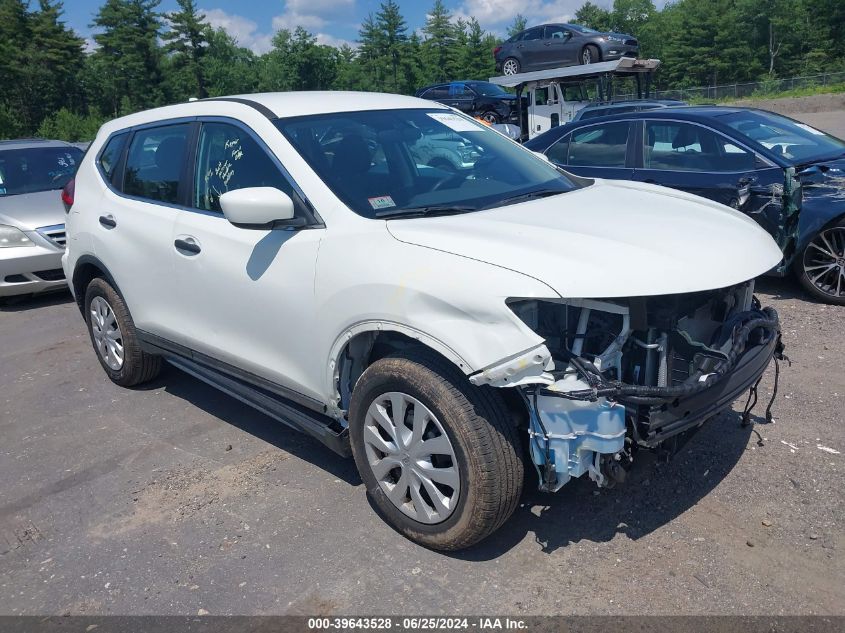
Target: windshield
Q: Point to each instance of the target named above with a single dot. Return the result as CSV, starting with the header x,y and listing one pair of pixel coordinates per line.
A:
x,y
581,29
396,162
486,89
796,142
33,169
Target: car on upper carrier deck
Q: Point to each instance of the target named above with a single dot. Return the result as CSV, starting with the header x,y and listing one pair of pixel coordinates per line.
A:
x,y
557,45
447,328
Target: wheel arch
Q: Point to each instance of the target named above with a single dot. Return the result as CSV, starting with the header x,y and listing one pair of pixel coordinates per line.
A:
x,y
361,346
86,269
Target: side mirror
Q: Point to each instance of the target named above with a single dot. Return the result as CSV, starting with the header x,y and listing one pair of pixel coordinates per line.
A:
x,y
256,206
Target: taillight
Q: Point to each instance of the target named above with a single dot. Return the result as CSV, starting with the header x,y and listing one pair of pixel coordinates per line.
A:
x,y
67,194
496,50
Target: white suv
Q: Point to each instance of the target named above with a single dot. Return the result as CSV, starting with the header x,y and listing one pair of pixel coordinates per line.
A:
x,y
446,328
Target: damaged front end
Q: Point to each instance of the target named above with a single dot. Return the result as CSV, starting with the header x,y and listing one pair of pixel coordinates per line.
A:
x,y
632,373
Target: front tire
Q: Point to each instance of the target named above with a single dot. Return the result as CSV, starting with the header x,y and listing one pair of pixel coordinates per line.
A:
x,y
821,267
114,338
590,55
440,458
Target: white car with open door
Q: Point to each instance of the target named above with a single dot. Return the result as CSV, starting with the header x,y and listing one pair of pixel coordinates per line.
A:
x,y
447,329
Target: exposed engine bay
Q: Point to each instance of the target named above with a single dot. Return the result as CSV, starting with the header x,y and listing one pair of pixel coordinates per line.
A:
x,y
632,373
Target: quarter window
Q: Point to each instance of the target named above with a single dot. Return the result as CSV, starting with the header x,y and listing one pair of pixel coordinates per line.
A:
x,y
228,159
154,163
676,146
599,145
111,154
557,153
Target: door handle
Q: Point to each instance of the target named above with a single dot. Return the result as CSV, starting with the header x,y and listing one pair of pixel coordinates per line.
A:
x,y
108,221
187,245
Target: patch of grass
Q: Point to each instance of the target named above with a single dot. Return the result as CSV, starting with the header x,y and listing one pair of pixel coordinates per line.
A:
x,y
765,93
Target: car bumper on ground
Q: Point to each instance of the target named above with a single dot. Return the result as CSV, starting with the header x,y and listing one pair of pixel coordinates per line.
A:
x,y
32,269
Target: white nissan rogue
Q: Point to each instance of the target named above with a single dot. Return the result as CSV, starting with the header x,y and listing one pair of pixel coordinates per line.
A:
x,y
447,327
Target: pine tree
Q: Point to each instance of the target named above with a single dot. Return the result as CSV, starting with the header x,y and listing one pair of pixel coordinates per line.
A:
x,y
187,41
519,24
393,30
128,57
14,46
439,47
594,17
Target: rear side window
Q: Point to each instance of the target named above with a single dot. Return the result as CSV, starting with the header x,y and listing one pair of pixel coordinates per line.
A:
x,y
228,159
533,34
599,145
110,155
154,163
676,146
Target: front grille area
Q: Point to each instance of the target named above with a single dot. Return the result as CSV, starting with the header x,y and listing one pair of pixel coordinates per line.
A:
x,y
55,233
54,274
631,42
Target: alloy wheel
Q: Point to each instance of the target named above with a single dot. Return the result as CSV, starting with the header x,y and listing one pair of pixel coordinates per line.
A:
x,y
587,56
824,262
411,457
510,67
106,332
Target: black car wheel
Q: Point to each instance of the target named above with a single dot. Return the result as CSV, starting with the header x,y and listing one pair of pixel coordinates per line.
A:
x,y
441,459
490,117
590,55
511,66
821,268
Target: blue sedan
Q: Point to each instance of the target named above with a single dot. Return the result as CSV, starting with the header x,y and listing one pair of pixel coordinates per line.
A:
x,y
788,176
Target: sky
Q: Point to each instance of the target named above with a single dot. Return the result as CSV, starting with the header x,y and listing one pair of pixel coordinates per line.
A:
x,y
336,22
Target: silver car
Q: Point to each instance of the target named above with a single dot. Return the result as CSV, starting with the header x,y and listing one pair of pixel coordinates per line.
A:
x,y
32,216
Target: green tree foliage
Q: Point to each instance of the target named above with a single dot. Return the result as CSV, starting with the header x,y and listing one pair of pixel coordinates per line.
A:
x,y
129,56
144,59
187,43
438,49
519,24
595,17
70,126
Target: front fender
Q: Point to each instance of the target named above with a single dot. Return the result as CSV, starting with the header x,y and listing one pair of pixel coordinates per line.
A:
x,y
451,303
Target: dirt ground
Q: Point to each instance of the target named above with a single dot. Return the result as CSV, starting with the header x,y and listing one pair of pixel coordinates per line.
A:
x,y
174,498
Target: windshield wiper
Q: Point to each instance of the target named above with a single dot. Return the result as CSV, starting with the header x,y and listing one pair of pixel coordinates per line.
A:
x,y
416,212
523,197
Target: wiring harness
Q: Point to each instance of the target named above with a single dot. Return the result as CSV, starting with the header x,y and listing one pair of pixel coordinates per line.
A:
x,y
759,324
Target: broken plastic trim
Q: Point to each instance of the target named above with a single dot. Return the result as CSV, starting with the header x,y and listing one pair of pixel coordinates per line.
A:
x,y
529,367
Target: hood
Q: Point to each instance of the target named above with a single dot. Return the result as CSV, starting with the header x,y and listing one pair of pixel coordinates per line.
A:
x,y
623,36
30,211
611,239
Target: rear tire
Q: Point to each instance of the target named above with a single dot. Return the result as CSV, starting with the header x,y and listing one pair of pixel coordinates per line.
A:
x,y
511,66
590,55
821,267
473,435
114,338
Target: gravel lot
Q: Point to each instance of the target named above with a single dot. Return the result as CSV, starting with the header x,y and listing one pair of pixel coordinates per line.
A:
x,y
175,498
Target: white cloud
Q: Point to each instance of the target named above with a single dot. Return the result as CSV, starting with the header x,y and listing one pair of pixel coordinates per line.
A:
x,y
244,30
499,13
